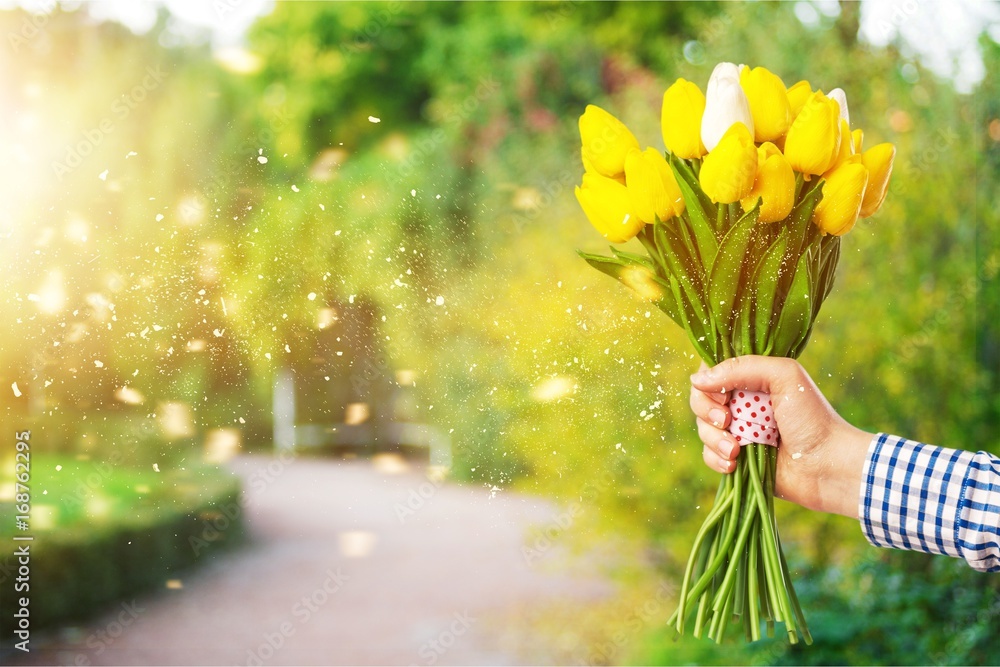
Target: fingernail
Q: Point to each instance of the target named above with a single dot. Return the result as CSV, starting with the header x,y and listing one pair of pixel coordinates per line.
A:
x,y
702,376
726,446
718,416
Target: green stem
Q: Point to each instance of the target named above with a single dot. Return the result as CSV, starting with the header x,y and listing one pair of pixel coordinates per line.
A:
x,y
752,591
716,562
796,608
713,517
767,540
699,619
739,513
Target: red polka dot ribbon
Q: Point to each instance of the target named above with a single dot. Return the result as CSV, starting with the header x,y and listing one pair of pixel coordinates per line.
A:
x,y
752,418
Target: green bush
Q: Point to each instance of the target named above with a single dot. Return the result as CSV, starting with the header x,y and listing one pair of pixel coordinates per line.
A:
x,y
113,540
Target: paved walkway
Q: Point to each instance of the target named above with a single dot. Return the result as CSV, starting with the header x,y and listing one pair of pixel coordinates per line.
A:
x,y
349,563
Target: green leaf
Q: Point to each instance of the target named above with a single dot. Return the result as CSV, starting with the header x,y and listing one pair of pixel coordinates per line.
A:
x,y
635,273
800,219
698,216
632,258
690,174
676,256
743,341
766,279
796,313
831,257
693,325
612,266
727,272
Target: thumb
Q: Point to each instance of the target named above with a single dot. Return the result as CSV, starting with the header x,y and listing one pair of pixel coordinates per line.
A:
x,y
751,372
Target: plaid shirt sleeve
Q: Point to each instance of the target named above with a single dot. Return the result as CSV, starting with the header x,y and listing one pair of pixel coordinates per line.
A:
x,y
926,498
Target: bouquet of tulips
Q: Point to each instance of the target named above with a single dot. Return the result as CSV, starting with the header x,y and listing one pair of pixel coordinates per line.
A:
x,y
741,222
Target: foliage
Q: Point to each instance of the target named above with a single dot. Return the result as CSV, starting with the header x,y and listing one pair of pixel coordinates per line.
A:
x,y
546,377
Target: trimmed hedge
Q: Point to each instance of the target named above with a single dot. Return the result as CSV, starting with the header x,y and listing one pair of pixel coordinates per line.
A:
x,y
78,570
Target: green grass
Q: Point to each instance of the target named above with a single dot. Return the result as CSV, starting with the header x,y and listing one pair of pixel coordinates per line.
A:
x,y
69,494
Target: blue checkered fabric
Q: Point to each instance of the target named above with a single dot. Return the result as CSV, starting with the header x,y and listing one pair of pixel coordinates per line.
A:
x,y
926,498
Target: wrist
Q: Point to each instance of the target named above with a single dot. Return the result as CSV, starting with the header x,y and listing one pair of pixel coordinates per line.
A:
x,y
838,485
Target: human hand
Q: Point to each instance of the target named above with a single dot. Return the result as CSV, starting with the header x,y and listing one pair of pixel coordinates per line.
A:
x,y
820,456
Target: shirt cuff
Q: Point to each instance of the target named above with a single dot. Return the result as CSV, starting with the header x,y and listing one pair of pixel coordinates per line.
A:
x,y
925,498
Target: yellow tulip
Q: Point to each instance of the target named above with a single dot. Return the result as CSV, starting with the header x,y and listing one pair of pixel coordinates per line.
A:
x,y
846,146
813,140
727,174
843,192
588,167
857,137
652,188
606,141
774,185
840,97
878,162
797,96
606,203
768,103
680,119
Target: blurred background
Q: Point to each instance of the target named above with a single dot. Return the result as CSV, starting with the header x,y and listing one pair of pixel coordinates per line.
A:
x,y
319,260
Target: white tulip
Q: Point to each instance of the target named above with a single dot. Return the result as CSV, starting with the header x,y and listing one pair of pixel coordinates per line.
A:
x,y
725,104
841,97
724,72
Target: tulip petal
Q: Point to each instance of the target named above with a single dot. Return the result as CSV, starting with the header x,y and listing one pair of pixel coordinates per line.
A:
x,y
606,141
878,160
768,102
813,140
843,192
606,203
680,119
727,174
